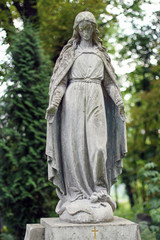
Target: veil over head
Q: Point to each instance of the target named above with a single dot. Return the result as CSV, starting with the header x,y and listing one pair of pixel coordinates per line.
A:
x,y
84,16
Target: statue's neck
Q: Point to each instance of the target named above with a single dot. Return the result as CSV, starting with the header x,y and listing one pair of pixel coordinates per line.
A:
x,y
86,44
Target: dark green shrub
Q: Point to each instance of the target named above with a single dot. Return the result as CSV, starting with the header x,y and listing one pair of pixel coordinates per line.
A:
x,y
25,193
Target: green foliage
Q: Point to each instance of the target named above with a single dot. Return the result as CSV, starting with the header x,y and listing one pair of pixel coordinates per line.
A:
x,y
146,232
142,165
16,9
6,236
25,193
57,18
6,19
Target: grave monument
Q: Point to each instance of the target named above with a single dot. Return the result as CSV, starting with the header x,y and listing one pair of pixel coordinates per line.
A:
x,y
86,141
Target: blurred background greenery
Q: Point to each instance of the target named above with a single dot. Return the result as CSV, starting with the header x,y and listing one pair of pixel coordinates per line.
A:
x,y
34,32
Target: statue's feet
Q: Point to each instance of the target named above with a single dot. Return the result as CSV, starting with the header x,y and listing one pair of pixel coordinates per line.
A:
x,y
102,196
85,211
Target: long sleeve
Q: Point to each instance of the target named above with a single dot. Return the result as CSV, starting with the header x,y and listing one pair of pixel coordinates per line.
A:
x,y
114,94
57,95
55,99
112,90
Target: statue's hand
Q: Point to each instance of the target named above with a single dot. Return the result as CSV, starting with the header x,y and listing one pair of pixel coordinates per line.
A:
x,y
51,109
122,112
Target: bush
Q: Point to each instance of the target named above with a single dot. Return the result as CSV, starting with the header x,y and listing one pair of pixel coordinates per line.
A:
x,y
25,193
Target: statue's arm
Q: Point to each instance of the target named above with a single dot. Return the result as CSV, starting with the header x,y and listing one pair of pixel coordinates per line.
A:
x,y
56,96
114,92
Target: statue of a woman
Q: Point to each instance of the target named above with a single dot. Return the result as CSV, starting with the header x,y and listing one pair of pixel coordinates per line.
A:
x,y
86,138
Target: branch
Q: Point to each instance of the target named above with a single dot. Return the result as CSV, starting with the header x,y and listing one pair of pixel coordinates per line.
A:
x,y
20,8
6,22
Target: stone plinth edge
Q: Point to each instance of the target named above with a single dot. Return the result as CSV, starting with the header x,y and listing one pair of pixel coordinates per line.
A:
x,y
118,229
54,229
34,232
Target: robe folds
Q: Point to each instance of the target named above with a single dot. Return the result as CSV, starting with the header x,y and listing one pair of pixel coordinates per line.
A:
x,y
116,146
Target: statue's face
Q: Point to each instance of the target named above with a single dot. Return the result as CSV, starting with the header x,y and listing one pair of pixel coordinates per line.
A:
x,y
85,30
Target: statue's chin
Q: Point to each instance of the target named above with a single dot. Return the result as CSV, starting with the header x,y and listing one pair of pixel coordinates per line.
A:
x,y
85,211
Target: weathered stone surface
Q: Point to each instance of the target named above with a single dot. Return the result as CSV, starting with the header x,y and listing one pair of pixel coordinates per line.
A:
x,y
34,232
89,213
118,229
86,133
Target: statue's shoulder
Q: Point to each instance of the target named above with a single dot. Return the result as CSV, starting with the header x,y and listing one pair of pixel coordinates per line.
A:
x,y
109,70
69,53
62,66
103,55
65,58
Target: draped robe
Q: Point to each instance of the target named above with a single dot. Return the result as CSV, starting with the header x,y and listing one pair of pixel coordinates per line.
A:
x,y
116,132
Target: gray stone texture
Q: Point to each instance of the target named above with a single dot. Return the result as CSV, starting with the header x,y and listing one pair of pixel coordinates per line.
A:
x,y
118,229
86,132
34,232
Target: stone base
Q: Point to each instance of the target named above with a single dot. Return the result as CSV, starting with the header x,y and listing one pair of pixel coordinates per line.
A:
x,y
82,211
118,229
34,232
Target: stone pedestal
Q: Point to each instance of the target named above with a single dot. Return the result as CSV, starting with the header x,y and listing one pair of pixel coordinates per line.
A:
x,y
118,229
34,232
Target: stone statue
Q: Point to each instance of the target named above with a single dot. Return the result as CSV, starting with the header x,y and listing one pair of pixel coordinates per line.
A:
x,y
86,138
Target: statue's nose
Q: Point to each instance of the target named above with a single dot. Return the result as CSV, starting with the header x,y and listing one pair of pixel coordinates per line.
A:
x,y
85,33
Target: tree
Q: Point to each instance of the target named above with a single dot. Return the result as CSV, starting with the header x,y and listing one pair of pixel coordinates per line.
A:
x,y
57,18
142,165
25,193
54,19
16,9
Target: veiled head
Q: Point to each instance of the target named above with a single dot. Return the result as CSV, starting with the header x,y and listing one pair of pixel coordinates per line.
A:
x,y
84,20
84,16
85,27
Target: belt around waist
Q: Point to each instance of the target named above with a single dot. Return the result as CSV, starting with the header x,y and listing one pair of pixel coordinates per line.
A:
x,y
85,80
